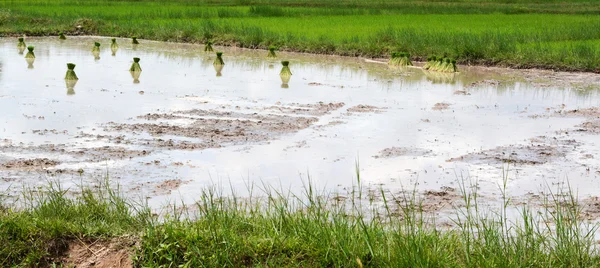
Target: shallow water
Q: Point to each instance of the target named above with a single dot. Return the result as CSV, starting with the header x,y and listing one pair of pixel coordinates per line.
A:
x,y
502,112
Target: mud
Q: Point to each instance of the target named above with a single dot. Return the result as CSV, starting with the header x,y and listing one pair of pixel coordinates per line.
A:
x,y
28,164
540,150
440,106
365,109
393,152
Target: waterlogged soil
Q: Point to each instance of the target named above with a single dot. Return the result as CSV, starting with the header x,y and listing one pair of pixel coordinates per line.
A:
x,y
180,126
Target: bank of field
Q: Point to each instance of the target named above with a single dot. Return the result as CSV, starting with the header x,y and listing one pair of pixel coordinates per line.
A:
x,y
548,34
50,228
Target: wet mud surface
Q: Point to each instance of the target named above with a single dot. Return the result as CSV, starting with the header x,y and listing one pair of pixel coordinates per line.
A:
x,y
179,127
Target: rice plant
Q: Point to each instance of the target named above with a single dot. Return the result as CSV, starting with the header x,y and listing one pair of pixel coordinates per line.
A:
x,y
285,74
62,36
400,59
272,53
96,50
21,45
134,40
114,46
439,64
135,66
71,72
219,59
208,47
30,57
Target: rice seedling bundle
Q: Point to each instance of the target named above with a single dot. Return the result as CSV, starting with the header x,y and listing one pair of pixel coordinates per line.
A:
x,y
135,67
272,53
61,36
208,47
71,72
30,54
219,59
96,47
21,45
114,46
400,59
134,40
430,62
285,73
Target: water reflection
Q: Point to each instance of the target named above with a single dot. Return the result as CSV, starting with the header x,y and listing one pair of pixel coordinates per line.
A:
x,y
70,83
439,77
285,74
218,69
219,63
114,46
136,76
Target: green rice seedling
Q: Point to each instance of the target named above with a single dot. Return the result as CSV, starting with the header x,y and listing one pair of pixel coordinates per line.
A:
x,y
208,47
21,45
430,62
30,57
96,50
219,59
114,46
272,53
285,73
134,40
62,36
135,67
400,59
71,72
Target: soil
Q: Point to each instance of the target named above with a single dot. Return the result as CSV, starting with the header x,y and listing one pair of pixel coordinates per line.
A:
x,y
365,109
28,164
541,150
441,106
402,151
100,254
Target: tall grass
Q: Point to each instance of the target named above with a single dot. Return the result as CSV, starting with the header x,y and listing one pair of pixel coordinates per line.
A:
x,y
364,228
549,34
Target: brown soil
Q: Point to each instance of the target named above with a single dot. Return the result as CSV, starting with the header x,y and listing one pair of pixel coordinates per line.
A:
x,y
99,254
365,109
462,92
429,201
440,106
541,150
29,164
402,151
318,109
486,82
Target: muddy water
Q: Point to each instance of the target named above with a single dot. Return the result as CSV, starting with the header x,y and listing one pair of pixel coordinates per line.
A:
x,y
180,126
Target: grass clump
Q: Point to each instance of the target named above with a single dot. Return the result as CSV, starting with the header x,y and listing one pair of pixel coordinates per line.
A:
x,y
134,40
208,47
400,59
135,66
71,72
114,46
272,53
62,36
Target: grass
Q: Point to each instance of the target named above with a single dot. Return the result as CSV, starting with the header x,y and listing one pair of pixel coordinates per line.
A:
x,y
315,229
553,34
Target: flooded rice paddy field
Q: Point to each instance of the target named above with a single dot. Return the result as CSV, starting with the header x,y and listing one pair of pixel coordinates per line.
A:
x,y
180,127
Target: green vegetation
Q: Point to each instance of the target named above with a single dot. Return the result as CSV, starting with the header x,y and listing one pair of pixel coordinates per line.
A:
x,y
272,53
135,66
208,47
114,46
219,60
71,72
314,229
62,36
21,45
30,54
555,34
134,40
438,64
399,59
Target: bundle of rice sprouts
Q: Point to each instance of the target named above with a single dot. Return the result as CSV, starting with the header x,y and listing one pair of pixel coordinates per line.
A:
x,y
30,57
135,67
114,46
208,47
134,40
445,65
272,54
21,45
400,59
285,73
96,50
136,77
430,62
71,72
61,36
219,63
